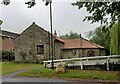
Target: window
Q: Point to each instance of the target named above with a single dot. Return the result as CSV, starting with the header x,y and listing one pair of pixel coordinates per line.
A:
x,y
90,53
74,52
3,38
40,49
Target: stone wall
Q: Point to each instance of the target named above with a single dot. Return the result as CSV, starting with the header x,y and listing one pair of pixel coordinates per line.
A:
x,y
57,49
68,53
26,44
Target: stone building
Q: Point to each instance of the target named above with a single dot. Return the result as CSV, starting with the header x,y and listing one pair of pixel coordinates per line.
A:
x,y
33,45
81,47
7,40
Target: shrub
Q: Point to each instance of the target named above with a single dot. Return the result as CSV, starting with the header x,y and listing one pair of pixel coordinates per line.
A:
x,y
5,55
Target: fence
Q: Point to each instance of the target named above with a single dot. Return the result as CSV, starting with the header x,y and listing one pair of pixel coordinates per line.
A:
x,y
96,60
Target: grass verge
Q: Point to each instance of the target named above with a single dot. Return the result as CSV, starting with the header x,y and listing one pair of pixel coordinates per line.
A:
x,y
79,74
13,67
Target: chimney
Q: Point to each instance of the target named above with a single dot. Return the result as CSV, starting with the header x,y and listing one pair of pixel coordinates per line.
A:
x,y
55,33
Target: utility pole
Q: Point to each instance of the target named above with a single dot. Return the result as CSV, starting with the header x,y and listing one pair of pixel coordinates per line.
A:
x,y
49,44
81,45
50,2
51,34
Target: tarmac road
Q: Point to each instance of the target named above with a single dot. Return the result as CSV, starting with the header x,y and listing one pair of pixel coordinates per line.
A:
x,y
26,80
11,79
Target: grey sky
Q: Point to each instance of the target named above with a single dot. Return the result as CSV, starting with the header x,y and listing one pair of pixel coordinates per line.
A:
x,y
17,17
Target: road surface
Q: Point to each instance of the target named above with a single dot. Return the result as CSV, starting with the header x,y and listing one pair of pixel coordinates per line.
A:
x,y
11,79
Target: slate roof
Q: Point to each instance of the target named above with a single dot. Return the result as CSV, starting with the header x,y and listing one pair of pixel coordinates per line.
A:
x,y
79,43
8,34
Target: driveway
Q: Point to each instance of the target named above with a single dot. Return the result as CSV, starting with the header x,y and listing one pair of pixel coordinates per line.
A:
x,y
11,79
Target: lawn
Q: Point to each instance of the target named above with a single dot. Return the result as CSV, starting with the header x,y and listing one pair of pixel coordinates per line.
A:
x,y
78,74
12,67
39,71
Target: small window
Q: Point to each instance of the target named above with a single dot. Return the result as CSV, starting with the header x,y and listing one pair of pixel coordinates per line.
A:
x,y
40,49
74,52
90,53
3,38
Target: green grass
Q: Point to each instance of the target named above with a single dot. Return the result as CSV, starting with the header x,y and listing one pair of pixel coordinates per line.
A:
x,y
43,72
12,67
79,74
39,71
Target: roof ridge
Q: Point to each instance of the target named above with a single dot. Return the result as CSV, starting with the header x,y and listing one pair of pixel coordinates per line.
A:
x,y
8,34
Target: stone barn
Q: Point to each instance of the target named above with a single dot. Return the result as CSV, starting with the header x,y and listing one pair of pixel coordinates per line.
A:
x,y
33,45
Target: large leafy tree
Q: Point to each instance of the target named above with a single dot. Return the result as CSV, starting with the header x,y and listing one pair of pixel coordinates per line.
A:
x,y
114,45
71,35
100,11
107,13
100,36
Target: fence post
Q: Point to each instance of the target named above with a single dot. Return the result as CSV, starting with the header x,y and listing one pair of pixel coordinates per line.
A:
x,y
81,65
108,59
73,64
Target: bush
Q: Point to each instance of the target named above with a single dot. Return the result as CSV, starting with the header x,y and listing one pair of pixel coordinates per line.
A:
x,y
5,55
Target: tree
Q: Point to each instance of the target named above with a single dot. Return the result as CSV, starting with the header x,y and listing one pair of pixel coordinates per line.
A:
x,y
100,11
30,3
71,35
114,45
101,36
108,13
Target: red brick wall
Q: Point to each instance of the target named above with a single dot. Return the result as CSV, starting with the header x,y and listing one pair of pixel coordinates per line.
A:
x,y
7,43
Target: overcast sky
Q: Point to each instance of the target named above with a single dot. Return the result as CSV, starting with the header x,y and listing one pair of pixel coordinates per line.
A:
x,y
17,17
